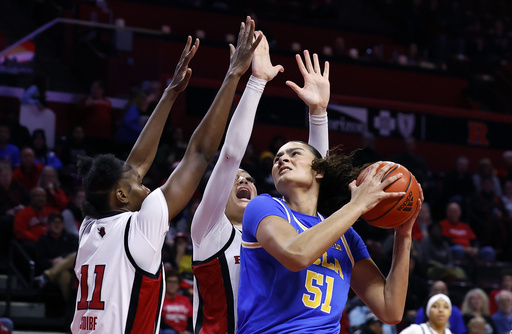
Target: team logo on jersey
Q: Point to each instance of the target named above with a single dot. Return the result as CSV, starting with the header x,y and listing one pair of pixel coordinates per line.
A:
x,y
101,231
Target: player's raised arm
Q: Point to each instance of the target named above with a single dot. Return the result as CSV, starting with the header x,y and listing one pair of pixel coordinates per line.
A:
x,y
143,152
220,184
206,138
316,94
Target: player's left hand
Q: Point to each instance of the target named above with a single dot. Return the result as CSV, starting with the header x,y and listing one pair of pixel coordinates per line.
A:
x,y
406,228
183,73
316,90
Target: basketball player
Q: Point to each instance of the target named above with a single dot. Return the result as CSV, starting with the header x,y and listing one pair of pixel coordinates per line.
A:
x,y
119,264
298,265
217,223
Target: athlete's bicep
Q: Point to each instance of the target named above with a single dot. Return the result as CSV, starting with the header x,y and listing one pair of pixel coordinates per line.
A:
x,y
275,235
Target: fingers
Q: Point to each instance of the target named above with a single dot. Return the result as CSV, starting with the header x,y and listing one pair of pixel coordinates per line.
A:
x,y
316,63
187,47
232,50
293,86
256,42
326,70
309,65
302,68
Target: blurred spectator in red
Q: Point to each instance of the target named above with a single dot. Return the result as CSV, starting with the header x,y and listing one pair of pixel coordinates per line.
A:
x,y
13,197
30,223
424,220
506,284
464,242
177,308
97,110
28,172
55,196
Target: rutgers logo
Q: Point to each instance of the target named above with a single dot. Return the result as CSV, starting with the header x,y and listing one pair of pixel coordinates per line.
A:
x,y
407,204
237,259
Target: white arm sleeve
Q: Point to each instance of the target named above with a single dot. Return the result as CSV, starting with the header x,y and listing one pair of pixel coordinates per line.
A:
x,y
221,181
319,133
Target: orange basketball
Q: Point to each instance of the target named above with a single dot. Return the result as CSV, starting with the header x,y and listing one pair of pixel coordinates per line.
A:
x,y
393,212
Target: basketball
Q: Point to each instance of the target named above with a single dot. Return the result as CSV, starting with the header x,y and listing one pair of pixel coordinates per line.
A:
x,y
393,212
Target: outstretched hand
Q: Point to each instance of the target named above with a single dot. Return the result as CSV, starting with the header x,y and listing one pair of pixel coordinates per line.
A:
x,y
316,90
183,73
371,191
261,64
241,56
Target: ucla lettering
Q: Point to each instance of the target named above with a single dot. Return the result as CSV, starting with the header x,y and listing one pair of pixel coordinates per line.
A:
x,y
336,267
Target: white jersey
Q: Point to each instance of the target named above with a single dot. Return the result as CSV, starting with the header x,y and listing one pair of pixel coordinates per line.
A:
x,y
216,242
119,269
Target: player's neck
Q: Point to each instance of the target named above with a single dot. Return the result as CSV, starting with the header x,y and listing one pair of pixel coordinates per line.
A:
x,y
303,203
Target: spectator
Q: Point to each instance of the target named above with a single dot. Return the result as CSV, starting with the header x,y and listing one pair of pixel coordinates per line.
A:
x,y
458,183
44,156
486,171
506,284
503,318
486,217
266,182
506,198
437,253
476,304
8,153
55,196
476,325
19,134
73,216
35,94
97,110
56,252
464,242
74,146
504,173
456,320
131,124
372,325
30,223
437,312
177,308
366,152
13,197
413,161
420,228
28,172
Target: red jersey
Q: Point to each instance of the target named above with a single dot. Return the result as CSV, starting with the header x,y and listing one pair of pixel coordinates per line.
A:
x,y
30,225
176,312
460,233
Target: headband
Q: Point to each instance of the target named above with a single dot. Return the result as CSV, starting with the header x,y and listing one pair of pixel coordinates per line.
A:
x,y
435,298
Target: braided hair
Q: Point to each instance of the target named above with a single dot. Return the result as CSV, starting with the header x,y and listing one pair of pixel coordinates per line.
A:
x,y
99,176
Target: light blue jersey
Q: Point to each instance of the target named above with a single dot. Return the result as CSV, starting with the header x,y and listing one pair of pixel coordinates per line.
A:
x,y
273,299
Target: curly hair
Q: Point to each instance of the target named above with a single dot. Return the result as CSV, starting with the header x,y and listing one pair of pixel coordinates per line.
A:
x,y
338,172
99,175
